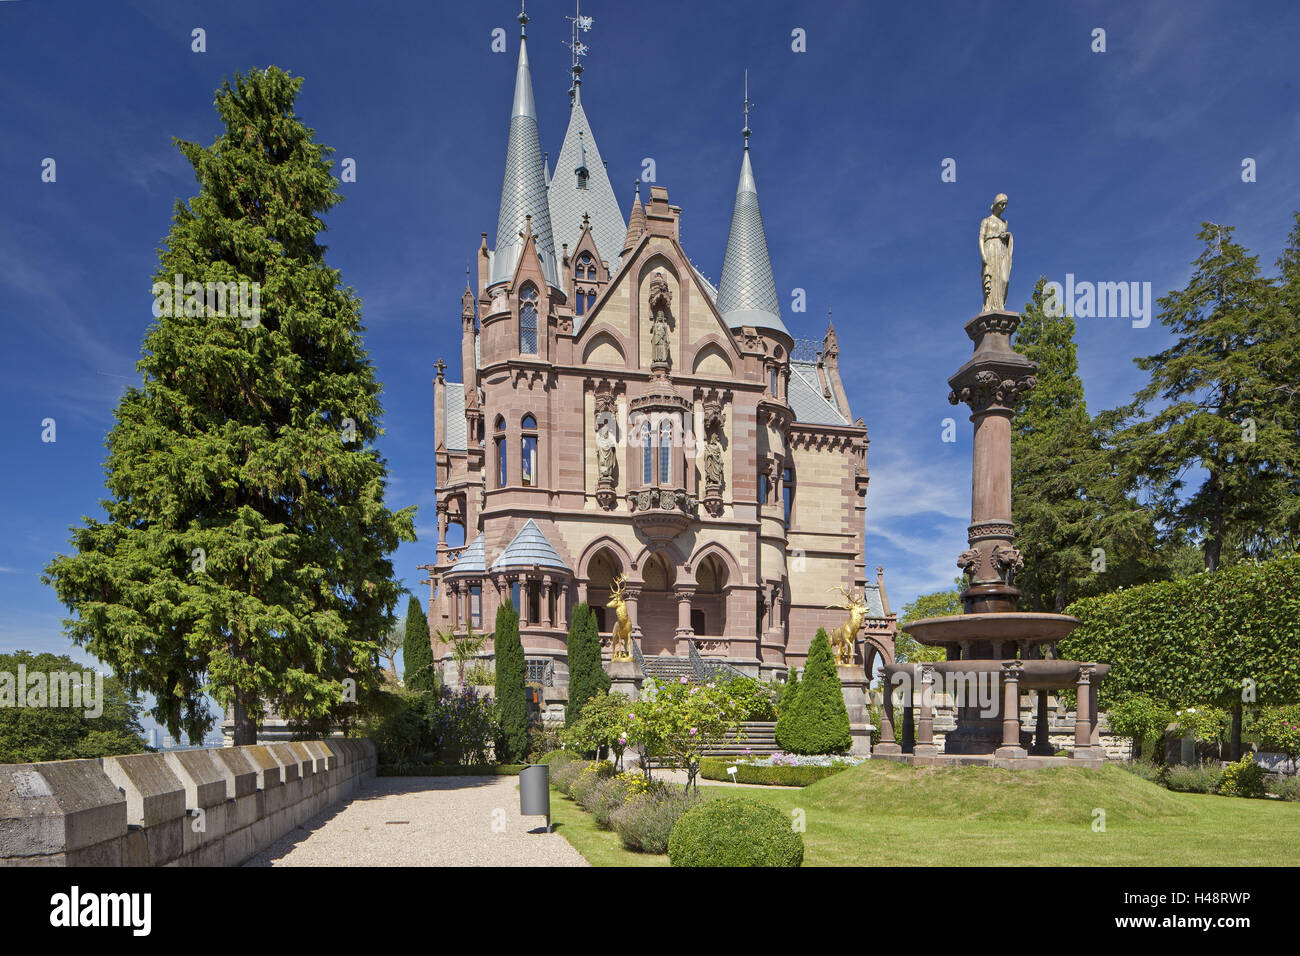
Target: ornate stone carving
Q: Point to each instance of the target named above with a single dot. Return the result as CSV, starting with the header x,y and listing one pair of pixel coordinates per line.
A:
x,y
989,390
713,464
1006,562
968,561
990,529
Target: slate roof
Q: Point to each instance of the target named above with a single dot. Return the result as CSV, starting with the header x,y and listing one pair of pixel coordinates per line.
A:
x,y
454,424
529,548
473,560
568,203
876,607
746,289
807,401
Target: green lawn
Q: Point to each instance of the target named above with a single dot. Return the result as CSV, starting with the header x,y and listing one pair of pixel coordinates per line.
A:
x,y
888,814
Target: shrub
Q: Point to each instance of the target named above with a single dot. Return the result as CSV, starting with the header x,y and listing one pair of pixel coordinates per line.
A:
x,y
541,741
732,831
399,729
1144,721
557,759
591,773
587,677
1146,769
602,724
677,722
1288,788
1278,730
645,822
511,700
715,768
462,725
563,776
1245,778
785,704
756,699
480,674
1203,724
1196,778
609,794
819,721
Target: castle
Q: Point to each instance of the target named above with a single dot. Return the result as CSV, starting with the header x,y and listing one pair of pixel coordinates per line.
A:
x,y
623,425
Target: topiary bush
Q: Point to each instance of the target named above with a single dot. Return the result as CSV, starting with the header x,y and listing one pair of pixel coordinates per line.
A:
x,y
512,704
785,704
818,722
645,822
418,671
1245,778
733,831
558,758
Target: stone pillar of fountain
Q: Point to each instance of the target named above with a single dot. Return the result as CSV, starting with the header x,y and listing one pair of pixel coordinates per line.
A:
x,y
990,382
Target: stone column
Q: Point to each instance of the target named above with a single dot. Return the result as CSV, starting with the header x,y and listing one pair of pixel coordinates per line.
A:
x,y
453,604
442,524
853,685
1095,737
685,633
1011,671
887,745
1082,712
582,592
925,723
562,605
545,600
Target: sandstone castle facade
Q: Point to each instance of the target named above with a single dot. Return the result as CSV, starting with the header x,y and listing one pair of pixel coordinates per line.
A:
x,y
620,417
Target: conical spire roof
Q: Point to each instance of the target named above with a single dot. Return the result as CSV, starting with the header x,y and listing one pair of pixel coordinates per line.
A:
x,y
746,290
635,223
523,188
569,203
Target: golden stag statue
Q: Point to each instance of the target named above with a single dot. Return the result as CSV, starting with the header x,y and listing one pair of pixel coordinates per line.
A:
x,y
621,636
843,637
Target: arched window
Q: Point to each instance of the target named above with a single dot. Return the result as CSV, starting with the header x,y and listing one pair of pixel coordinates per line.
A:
x,y
665,451
580,303
787,493
528,320
591,299
586,266
647,456
528,452
503,475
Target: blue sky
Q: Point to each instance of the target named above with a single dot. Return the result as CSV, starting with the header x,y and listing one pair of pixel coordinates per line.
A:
x,y
1111,160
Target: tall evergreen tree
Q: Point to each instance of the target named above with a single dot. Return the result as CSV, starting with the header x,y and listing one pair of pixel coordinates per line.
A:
x,y
819,721
1218,457
417,650
1077,530
587,676
245,549
512,704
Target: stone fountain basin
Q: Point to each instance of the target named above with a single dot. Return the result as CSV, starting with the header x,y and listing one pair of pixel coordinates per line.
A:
x,y
1034,675
1033,627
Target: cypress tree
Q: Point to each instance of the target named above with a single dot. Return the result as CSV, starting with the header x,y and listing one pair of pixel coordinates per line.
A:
x,y
587,676
512,704
245,552
819,722
417,652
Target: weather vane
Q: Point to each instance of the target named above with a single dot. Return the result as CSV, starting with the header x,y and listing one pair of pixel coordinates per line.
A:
x,y
577,48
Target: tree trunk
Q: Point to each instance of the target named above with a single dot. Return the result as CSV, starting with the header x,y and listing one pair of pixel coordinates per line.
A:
x,y
245,725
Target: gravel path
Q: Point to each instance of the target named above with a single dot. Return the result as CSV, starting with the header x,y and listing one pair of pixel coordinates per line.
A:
x,y
448,821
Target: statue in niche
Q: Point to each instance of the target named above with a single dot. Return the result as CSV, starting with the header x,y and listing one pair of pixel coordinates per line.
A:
x,y
661,299
713,461
607,459
995,256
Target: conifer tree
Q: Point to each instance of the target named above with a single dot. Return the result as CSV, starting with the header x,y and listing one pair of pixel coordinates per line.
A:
x,y
512,704
785,707
587,676
245,549
417,652
1219,454
1077,531
819,721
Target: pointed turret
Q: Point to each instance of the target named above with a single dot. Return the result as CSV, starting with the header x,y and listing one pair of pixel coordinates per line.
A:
x,y
523,188
580,186
746,290
635,222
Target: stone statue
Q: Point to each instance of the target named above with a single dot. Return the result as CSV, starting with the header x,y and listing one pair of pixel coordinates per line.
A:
x,y
659,354
995,256
607,460
713,462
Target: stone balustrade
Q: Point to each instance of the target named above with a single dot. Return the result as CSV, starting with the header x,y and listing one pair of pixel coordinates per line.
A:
x,y
211,807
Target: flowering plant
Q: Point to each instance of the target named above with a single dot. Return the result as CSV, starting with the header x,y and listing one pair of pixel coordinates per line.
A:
x,y
678,722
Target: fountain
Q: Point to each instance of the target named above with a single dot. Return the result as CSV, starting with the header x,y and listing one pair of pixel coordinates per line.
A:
x,y
994,652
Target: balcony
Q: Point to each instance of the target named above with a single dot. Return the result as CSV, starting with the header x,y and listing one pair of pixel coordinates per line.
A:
x,y
662,513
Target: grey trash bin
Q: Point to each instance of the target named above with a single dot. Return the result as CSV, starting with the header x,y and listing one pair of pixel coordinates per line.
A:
x,y
535,792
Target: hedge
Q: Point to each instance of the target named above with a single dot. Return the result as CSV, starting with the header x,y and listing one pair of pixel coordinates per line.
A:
x,y
1195,640
733,831
715,768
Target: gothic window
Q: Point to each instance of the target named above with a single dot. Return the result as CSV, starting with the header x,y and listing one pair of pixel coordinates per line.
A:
x,y
591,299
580,302
528,320
586,266
665,451
528,452
647,458
787,494
503,476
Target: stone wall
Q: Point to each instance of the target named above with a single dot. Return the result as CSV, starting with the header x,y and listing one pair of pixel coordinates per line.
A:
x,y
213,807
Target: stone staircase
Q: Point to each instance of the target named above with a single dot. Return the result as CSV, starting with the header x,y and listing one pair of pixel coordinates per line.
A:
x,y
759,741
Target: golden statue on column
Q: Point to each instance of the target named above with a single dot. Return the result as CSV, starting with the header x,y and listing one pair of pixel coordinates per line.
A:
x,y
621,636
843,637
